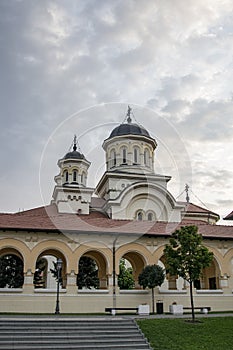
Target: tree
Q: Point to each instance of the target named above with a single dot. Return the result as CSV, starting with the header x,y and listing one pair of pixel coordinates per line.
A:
x,y
186,256
11,271
125,278
88,273
151,277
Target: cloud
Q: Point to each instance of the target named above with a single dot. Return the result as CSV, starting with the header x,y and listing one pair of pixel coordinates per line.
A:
x,y
59,57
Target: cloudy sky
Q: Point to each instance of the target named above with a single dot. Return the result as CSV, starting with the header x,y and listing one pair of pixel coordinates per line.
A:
x,y
72,66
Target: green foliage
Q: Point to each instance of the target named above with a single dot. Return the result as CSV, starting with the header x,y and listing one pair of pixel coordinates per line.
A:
x,y
88,273
177,334
151,276
185,255
125,278
11,271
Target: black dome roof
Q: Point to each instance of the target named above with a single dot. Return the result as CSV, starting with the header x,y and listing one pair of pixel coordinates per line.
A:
x,y
74,155
129,129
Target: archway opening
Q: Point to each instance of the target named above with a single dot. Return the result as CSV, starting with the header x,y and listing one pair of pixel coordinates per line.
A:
x,y
45,275
209,278
11,269
125,277
135,262
87,277
92,272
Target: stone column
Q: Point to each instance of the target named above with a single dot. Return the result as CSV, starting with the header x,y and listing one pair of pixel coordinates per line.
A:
x,y
223,281
28,286
71,286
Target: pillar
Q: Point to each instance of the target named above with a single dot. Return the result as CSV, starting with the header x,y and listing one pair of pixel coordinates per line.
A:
x,y
28,286
71,286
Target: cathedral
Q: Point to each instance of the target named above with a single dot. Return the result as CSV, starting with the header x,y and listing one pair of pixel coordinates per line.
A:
x,y
129,216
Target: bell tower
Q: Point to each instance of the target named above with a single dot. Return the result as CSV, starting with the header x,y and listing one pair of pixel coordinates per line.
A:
x,y
71,194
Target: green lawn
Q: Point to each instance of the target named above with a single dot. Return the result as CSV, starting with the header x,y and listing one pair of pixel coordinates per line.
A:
x,y
172,334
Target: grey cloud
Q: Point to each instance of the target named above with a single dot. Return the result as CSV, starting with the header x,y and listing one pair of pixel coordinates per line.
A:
x,y
58,57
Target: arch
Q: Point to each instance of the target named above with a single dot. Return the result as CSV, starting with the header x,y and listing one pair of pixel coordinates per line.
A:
x,y
146,157
150,215
113,157
75,175
52,253
137,257
55,248
137,262
83,177
210,277
66,176
101,263
16,245
146,201
140,215
136,155
124,154
12,268
148,195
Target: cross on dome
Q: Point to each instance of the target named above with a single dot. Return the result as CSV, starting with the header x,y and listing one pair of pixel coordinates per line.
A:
x,y
75,143
129,119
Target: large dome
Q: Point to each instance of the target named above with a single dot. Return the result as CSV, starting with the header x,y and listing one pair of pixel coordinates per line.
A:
x,y
129,129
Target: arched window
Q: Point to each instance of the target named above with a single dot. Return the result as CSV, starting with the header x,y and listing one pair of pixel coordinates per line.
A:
x,y
11,271
140,216
74,176
150,217
124,155
146,157
136,155
66,176
113,158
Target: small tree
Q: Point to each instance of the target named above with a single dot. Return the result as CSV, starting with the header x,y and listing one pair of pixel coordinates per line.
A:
x,y
151,277
11,271
88,273
186,256
125,278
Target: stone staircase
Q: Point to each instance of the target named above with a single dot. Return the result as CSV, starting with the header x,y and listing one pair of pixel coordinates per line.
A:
x,y
47,333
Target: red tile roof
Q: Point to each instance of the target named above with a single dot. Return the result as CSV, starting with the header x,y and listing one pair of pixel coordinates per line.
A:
x,y
48,219
193,208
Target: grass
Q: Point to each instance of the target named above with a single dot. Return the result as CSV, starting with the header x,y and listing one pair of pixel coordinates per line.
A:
x,y
177,334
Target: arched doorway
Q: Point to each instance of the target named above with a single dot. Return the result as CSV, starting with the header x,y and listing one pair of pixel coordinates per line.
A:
x,y
92,269
45,270
136,263
209,278
11,269
125,277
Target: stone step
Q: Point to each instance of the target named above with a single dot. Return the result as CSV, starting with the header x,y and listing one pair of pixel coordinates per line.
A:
x,y
59,334
8,332
142,346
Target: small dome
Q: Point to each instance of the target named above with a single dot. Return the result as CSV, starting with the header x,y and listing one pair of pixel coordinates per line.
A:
x,y
74,155
129,129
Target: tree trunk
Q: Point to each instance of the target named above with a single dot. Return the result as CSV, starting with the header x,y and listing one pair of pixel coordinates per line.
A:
x,y
153,301
191,298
